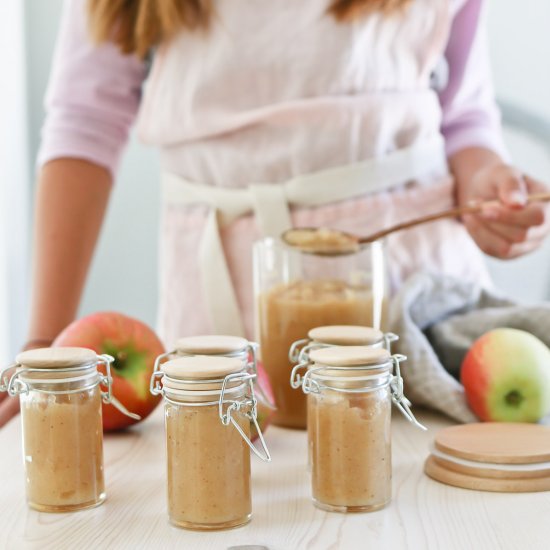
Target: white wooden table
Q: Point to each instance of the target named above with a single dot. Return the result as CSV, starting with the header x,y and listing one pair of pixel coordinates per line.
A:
x,y
423,515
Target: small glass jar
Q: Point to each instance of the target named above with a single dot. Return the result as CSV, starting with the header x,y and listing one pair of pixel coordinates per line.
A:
x,y
350,391
335,335
60,395
209,407
296,291
340,335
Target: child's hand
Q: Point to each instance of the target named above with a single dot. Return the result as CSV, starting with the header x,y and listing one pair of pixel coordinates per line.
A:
x,y
9,407
512,228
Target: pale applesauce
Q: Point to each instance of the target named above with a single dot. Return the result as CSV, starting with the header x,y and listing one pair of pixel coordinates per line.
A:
x,y
208,468
63,450
287,312
351,449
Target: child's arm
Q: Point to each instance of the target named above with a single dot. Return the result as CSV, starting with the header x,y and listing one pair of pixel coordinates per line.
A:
x,y
92,99
471,126
71,200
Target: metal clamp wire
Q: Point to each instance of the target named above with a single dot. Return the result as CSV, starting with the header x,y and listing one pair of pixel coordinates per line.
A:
x,y
251,402
5,380
294,352
107,379
154,386
312,346
312,384
389,338
405,410
15,386
295,378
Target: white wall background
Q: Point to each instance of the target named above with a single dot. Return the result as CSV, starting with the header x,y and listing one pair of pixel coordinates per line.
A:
x,y
14,179
520,49
124,271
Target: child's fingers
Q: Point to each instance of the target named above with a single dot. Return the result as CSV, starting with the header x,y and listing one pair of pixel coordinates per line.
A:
x,y
511,186
518,250
514,234
488,241
534,214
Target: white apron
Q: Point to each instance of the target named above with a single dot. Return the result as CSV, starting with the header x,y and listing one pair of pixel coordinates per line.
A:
x,y
339,130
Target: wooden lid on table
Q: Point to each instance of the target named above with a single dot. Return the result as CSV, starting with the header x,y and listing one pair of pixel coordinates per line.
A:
x,y
502,457
346,335
496,442
211,345
50,358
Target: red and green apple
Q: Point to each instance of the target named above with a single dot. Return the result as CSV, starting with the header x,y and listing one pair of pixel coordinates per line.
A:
x,y
134,347
506,377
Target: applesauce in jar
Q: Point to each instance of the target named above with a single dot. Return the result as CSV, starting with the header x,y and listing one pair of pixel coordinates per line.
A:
x,y
209,407
61,415
350,392
286,313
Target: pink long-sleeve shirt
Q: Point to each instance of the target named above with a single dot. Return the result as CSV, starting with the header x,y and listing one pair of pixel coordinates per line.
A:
x,y
95,92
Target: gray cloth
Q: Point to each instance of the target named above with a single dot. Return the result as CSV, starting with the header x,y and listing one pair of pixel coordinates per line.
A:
x,y
438,318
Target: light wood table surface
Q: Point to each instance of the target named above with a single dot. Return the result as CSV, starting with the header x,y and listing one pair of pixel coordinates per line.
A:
x,y
423,514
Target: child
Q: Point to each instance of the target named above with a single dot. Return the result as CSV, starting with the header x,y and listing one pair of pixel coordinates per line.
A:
x,y
248,95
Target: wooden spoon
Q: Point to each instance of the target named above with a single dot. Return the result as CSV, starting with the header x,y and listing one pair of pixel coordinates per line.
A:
x,y
332,242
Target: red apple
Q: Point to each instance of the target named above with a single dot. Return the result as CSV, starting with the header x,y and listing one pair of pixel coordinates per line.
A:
x,y
265,412
134,347
506,377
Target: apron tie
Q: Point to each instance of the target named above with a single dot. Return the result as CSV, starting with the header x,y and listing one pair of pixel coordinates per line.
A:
x,y
271,206
271,209
219,295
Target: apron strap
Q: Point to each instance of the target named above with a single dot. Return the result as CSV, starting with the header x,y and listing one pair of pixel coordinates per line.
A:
x,y
219,292
270,209
375,175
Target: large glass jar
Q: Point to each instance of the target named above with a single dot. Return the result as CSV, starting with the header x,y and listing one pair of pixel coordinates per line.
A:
x,y
297,291
350,392
59,390
209,405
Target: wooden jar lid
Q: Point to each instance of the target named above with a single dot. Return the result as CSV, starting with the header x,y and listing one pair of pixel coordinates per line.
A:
x,y
350,356
201,367
502,457
346,335
50,358
496,442
211,345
